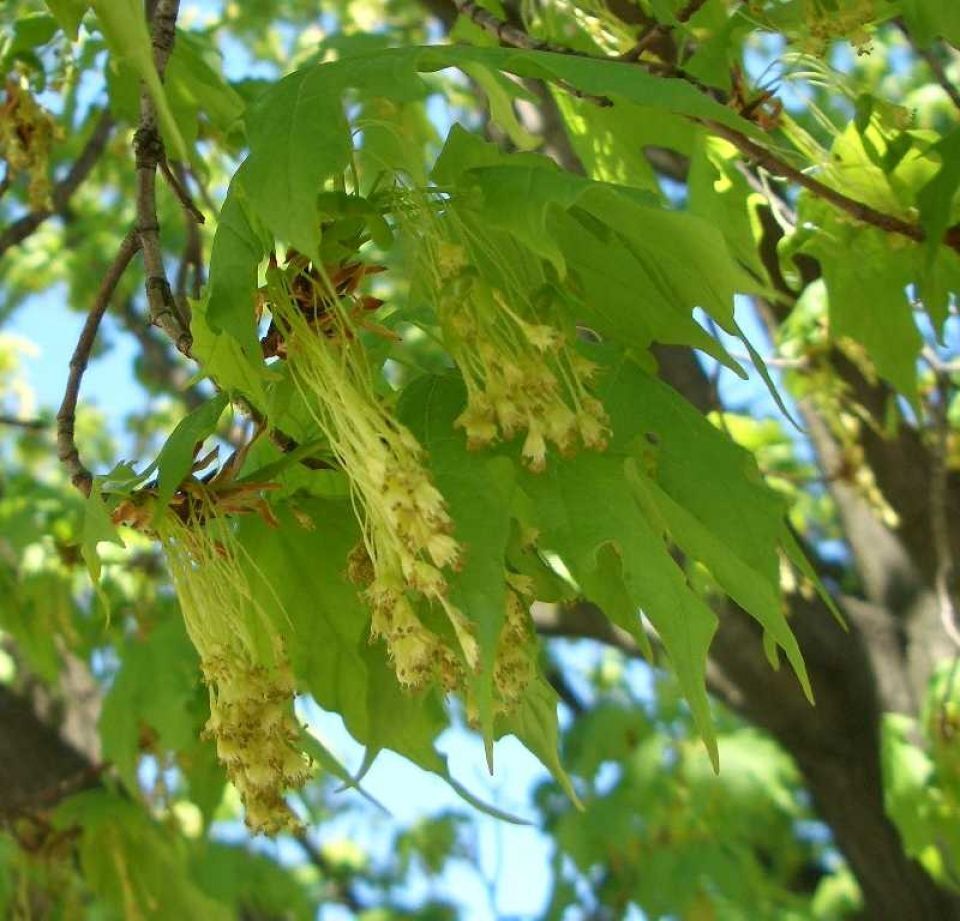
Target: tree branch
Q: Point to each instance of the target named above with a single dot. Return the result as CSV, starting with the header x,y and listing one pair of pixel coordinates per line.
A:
x,y
20,229
656,31
342,891
13,421
862,212
181,192
866,214
37,767
929,55
67,451
148,146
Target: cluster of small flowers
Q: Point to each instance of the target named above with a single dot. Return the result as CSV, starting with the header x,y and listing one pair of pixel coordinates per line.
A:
x,y
522,370
407,539
522,374
27,132
844,19
247,675
419,656
515,662
251,721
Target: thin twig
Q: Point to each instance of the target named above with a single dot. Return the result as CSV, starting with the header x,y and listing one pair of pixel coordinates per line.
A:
x,y
342,891
204,194
773,361
781,210
565,691
856,209
864,213
192,257
934,63
506,32
148,146
516,37
180,190
23,423
67,451
656,30
940,73
512,35
20,229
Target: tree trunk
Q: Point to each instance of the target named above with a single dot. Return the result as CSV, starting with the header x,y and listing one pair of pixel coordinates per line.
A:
x,y
836,747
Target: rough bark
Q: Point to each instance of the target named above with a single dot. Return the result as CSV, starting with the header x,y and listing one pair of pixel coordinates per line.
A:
x,y
37,765
881,664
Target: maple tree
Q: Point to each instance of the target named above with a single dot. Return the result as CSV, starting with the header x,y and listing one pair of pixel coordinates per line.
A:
x,y
445,300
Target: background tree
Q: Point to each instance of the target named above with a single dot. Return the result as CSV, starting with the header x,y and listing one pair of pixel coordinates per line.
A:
x,y
450,288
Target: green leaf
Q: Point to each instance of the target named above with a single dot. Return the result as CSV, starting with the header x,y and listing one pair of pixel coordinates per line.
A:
x,y
534,722
238,248
907,783
719,193
176,457
701,469
478,490
298,138
795,554
225,361
28,32
749,588
136,866
97,527
125,29
299,135
329,762
194,79
936,199
585,504
404,722
298,575
610,141
928,19
607,732
501,93
641,269
157,687
251,883
627,295
866,286
69,14
409,724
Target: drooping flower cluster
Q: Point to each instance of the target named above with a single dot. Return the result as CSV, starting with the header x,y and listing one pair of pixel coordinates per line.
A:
x,y
244,666
516,352
515,657
27,132
407,531
515,663
419,655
